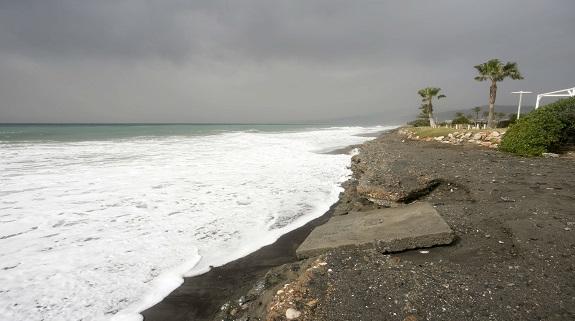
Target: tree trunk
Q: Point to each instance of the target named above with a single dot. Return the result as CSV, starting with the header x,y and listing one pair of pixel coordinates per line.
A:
x,y
492,96
431,120
430,115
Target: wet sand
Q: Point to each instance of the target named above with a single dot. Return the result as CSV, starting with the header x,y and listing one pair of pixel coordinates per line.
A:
x,y
200,297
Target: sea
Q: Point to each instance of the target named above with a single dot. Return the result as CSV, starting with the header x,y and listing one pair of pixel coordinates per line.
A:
x,y
100,222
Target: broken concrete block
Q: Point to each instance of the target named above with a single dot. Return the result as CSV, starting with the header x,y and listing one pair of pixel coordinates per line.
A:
x,y
388,230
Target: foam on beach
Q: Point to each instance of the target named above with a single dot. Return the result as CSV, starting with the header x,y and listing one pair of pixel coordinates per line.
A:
x,y
102,230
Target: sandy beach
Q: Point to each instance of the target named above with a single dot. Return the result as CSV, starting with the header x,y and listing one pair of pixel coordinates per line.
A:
x,y
514,222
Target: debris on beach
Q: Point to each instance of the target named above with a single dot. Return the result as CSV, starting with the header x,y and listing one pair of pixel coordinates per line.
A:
x,y
294,300
485,138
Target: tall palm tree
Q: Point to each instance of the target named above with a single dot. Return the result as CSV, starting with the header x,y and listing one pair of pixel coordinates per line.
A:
x,y
495,71
427,95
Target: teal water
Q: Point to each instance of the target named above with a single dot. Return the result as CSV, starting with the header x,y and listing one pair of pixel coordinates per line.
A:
x,y
95,132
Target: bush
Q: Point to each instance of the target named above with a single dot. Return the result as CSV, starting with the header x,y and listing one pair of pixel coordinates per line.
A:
x,y
543,130
461,120
512,119
420,122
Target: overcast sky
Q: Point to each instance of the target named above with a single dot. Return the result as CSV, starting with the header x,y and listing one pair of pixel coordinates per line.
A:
x,y
269,61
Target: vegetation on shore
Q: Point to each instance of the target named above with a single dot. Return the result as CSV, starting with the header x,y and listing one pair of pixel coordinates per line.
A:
x,y
501,119
543,130
495,71
427,95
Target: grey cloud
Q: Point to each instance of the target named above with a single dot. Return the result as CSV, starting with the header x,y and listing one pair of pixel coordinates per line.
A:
x,y
267,60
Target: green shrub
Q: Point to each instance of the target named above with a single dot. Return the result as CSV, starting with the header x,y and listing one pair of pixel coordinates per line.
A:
x,y
461,120
543,130
420,122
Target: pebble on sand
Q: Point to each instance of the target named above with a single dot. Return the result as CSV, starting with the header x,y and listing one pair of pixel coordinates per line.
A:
x,y
292,313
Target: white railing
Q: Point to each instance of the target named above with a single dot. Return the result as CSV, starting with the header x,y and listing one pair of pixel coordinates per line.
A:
x,y
569,92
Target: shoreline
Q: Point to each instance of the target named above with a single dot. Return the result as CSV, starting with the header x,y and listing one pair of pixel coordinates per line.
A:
x,y
200,297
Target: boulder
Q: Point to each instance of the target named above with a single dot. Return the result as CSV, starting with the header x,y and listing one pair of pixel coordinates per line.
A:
x,y
550,155
292,313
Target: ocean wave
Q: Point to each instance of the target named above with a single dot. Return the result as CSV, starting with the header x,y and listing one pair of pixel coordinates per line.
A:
x,y
103,229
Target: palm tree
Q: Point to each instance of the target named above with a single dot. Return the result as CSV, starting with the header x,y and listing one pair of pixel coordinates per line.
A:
x,y
476,110
494,70
427,95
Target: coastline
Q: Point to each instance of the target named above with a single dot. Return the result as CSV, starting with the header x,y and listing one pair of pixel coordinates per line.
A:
x,y
200,297
512,258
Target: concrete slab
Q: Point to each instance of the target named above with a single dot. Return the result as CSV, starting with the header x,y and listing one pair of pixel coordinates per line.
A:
x,y
388,230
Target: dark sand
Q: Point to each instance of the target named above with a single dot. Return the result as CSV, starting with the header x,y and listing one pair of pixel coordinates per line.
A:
x,y
514,258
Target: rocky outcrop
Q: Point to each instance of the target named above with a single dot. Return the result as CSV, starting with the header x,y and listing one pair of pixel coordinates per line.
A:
x,y
383,178
285,293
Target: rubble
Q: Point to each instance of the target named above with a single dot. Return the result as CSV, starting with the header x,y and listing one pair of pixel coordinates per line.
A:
x,y
485,138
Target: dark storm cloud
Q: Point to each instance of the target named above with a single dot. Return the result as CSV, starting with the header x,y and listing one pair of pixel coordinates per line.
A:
x,y
132,60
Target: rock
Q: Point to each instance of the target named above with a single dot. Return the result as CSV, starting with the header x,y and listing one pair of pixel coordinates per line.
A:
x,y
495,134
550,155
478,136
242,300
387,230
292,313
311,303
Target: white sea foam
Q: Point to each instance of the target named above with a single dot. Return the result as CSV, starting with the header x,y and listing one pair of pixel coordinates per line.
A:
x,y
101,230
